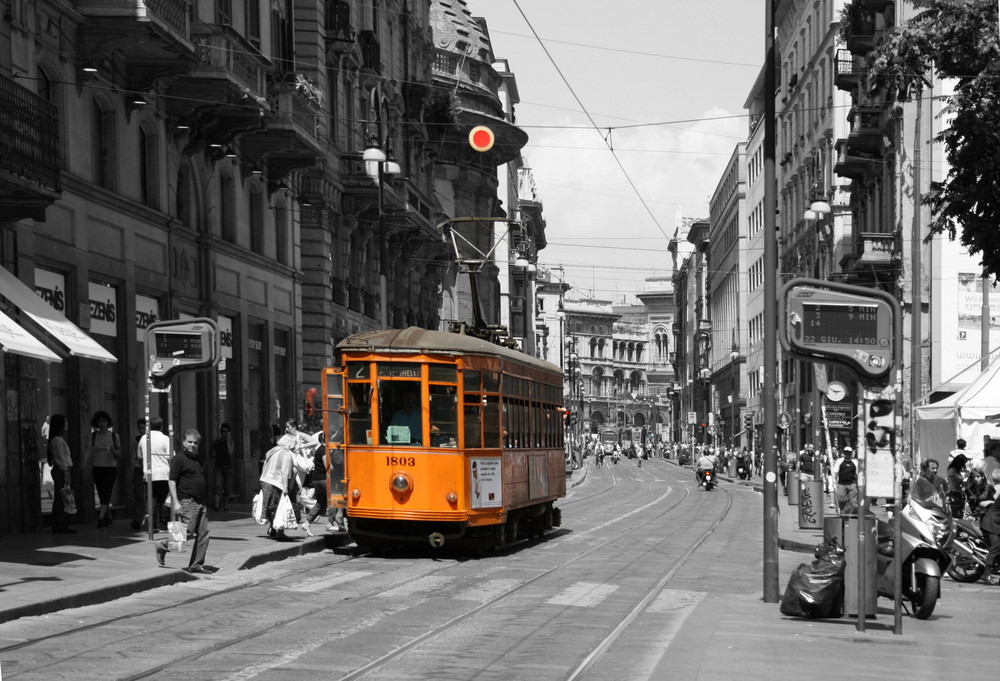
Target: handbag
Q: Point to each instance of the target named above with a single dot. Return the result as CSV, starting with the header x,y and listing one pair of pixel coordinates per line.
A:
x,y
284,515
177,535
69,500
258,508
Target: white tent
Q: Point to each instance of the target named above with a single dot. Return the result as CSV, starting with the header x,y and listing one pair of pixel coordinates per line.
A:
x,y
971,413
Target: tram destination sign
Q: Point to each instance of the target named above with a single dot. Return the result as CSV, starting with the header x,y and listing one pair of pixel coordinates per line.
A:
x,y
839,324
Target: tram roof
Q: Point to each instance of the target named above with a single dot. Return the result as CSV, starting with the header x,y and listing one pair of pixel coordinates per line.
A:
x,y
426,341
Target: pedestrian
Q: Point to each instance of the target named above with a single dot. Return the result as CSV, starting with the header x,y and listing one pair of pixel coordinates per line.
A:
x,y
61,460
955,479
977,490
224,453
138,504
990,525
276,476
845,473
160,455
807,463
929,472
187,501
959,449
102,457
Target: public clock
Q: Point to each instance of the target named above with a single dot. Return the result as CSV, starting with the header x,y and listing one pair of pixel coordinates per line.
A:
x,y
836,391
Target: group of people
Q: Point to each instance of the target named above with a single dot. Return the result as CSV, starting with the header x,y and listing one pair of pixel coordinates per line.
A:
x,y
296,468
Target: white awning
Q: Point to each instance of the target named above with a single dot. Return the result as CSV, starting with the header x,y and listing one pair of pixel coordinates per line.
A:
x,y
67,333
18,341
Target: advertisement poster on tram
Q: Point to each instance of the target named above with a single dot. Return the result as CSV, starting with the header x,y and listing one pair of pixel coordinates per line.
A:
x,y
485,483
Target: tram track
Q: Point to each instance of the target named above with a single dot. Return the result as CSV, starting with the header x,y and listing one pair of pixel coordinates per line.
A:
x,y
636,527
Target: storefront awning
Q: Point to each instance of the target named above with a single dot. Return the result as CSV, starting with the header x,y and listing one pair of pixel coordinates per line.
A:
x,y
68,334
18,341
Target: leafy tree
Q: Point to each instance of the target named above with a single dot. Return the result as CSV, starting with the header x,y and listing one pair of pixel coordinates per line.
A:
x,y
955,39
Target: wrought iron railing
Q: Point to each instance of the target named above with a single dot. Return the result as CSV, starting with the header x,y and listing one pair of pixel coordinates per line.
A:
x,y
223,48
29,135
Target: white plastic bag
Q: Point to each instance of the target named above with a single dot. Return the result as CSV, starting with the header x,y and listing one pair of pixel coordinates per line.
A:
x,y
284,516
258,508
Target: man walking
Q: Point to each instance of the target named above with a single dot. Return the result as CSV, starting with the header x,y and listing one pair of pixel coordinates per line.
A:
x,y
187,499
845,473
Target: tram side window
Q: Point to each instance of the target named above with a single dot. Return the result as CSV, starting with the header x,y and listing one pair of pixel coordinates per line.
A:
x,y
400,413
491,421
359,398
444,416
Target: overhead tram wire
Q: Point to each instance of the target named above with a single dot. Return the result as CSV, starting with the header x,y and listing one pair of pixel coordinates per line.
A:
x,y
597,128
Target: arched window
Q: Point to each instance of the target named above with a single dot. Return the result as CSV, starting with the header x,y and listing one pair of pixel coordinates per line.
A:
x,y
227,207
597,382
102,145
149,165
256,214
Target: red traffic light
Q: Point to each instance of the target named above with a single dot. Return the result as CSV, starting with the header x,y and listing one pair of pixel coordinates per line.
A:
x,y
481,138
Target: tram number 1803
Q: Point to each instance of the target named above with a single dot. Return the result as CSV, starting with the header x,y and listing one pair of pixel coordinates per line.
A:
x,y
400,461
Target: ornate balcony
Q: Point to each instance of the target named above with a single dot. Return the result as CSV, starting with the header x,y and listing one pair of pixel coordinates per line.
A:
x,y
289,135
876,249
846,71
861,30
226,88
150,38
866,130
29,153
853,164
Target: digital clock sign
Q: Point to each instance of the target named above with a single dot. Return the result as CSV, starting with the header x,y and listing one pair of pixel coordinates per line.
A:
x,y
839,324
173,346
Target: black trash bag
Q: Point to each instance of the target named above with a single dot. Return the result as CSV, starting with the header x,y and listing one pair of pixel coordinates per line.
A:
x,y
817,590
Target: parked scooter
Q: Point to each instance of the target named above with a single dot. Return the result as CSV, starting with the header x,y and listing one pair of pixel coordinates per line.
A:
x,y
742,471
968,551
927,532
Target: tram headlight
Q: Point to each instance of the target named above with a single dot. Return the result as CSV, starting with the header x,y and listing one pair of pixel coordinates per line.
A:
x,y
401,483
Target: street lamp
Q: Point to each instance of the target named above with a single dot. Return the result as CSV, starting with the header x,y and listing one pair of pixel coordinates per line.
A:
x,y
378,166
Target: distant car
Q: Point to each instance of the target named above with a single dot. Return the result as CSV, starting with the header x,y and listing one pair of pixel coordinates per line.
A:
x,y
684,457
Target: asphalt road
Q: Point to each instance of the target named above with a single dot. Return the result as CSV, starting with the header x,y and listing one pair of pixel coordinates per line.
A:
x,y
649,578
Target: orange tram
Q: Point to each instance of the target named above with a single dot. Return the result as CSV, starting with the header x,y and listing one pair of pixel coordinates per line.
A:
x,y
446,438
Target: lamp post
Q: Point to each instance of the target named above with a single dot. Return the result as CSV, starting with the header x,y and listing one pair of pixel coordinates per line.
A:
x,y
378,166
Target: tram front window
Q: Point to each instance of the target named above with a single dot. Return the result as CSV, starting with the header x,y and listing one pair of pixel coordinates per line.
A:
x,y
400,412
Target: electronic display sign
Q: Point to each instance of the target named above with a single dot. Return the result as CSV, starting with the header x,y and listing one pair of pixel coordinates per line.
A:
x,y
839,324
173,346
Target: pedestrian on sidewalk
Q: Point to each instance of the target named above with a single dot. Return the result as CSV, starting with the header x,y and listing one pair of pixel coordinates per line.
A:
x,y
955,478
160,456
61,460
990,525
845,472
137,506
224,453
187,501
102,458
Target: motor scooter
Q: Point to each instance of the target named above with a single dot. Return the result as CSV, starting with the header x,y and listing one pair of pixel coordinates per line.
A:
x,y
707,477
968,551
742,471
927,532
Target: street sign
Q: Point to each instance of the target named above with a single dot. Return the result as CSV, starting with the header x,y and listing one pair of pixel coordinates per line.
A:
x,y
784,420
481,138
840,324
174,346
692,418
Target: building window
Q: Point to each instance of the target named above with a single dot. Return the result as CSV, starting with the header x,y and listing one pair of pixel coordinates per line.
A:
x,y
227,208
224,12
256,213
103,145
253,22
281,233
148,185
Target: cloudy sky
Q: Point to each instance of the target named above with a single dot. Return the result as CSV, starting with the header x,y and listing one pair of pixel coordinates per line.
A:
x,y
669,78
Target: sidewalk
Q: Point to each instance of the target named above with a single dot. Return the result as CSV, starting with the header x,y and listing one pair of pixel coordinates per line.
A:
x,y
43,572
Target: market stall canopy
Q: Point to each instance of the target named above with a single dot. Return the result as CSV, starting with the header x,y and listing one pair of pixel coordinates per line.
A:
x,y
970,414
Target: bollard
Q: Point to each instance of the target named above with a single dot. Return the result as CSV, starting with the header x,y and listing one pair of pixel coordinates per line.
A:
x,y
810,504
792,488
851,587
731,468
